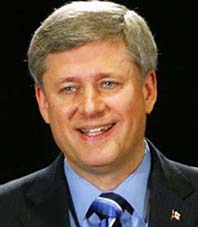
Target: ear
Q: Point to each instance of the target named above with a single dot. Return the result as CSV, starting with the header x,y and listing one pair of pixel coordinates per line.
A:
x,y
150,91
42,103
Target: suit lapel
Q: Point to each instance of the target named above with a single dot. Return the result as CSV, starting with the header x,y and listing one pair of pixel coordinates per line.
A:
x,y
46,201
169,194
52,212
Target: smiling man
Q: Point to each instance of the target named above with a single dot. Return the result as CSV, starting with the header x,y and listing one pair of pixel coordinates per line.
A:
x,y
94,67
97,110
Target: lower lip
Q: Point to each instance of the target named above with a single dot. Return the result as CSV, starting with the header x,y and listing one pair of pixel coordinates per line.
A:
x,y
97,137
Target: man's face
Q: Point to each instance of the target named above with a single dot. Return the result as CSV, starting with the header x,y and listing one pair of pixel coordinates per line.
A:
x,y
96,105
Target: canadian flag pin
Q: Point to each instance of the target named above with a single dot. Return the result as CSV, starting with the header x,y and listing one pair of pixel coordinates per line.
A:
x,y
175,215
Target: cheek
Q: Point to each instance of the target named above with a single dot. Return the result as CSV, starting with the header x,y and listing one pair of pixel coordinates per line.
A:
x,y
127,105
60,123
131,110
58,110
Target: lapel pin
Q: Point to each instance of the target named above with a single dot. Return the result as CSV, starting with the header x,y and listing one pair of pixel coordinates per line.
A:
x,y
175,215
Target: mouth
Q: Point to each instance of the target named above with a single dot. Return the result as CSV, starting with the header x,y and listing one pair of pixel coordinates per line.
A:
x,y
96,131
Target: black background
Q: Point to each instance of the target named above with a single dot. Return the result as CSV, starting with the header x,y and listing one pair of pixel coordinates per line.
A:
x,y
26,143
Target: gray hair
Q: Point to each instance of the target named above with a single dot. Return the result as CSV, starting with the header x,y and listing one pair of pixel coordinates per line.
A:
x,y
80,22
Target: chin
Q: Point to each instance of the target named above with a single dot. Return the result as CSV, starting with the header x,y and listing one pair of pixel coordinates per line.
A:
x,y
101,161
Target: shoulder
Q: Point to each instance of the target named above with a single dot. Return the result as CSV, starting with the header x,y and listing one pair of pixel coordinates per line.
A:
x,y
175,173
39,181
19,196
13,190
189,172
13,198
44,176
176,169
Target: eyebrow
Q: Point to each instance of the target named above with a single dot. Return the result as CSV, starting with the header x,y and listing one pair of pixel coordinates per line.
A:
x,y
67,79
97,76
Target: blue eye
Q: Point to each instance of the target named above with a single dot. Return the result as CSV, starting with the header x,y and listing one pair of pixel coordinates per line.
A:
x,y
69,90
109,84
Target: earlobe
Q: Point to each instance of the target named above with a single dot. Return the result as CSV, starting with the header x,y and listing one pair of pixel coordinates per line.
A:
x,y
42,103
150,91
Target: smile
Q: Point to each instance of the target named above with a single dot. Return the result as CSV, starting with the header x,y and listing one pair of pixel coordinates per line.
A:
x,y
96,131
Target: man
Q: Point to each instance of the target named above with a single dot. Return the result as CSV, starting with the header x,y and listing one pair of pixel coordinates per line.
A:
x,y
94,66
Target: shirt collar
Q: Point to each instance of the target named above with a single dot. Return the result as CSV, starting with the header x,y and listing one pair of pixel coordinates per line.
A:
x,y
133,188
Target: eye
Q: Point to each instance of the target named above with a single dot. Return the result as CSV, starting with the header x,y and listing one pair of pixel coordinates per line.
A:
x,y
109,84
69,90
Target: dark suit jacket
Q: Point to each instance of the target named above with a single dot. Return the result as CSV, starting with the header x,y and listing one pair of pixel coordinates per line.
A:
x,y
42,199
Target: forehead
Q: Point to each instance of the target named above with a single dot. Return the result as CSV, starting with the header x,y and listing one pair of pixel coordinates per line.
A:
x,y
91,61
106,52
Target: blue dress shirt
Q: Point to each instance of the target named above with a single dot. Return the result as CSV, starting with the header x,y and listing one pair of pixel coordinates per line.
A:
x,y
134,189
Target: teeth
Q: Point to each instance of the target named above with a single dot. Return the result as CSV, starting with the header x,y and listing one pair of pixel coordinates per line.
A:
x,y
96,131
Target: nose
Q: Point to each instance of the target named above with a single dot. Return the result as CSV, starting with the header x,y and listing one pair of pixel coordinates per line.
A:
x,y
92,103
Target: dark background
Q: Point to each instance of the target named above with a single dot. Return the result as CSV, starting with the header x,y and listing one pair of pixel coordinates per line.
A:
x,y
26,144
